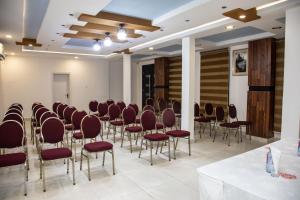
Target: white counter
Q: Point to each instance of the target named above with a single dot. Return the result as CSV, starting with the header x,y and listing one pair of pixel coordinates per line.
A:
x,y
244,176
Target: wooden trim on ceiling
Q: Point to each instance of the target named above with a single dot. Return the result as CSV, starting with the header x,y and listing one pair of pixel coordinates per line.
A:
x,y
251,14
29,41
91,36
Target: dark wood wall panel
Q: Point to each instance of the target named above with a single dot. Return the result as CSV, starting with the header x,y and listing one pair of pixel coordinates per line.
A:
x,y
214,80
175,76
279,69
161,80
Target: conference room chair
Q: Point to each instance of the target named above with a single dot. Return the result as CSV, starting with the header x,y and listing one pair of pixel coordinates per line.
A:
x,y
103,114
209,111
93,106
150,102
14,110
12,136
176,105
16,107
35,107
52,132
68,112
232,113
15,117
130,127
159,126
91,128
110,101
37,126
136,109
121,105
150,134
17,104
60,111
114,121
169,121
55,106
222,123
77,117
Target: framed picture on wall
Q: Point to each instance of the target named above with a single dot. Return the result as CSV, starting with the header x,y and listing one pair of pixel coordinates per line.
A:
x,y
240,62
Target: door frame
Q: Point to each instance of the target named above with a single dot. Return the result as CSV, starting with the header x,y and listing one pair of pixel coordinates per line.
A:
x,y
69,85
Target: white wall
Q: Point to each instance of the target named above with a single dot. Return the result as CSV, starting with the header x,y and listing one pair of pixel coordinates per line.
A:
x,y
116,80
1,94
291,92
238,88
27,79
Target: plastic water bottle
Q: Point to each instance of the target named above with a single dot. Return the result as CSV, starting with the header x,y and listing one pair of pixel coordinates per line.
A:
x,y
269,163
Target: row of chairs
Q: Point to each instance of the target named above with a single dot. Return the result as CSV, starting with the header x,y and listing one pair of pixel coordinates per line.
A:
x,y
13,142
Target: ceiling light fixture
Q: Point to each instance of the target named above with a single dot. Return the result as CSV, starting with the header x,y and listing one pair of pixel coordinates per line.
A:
x,y
8,36
242,16
12,53
97,46
122,35
107,40
76,57
151,48
30,45
229,27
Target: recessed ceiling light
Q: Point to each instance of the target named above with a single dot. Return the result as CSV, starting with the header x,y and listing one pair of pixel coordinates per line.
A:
x,y
97,46
151,48
229,27
30,45
224,7
107,40
242,16
76,57
122,35
276,27
12,53
8,36
187,20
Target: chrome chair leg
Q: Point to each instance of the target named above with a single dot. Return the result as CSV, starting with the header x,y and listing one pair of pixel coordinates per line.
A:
x,y
151,146
44,181
141,148
103,159
73,170
89,171
189,141
174,146
169,149
130,142
67,166
113,161
81,154
25,178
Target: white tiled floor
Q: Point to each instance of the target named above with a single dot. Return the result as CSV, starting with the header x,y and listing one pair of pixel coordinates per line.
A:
x,y
134,179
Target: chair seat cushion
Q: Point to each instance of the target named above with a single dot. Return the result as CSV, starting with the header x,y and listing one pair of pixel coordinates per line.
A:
x,y
242,123
104,118
12,159
229,125
202,120
78,135
178,133
159,126
134,129
57,153
68,127
117,123
156,137
37,131
98,146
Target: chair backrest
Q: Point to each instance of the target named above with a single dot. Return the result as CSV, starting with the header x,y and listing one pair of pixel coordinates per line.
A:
x,y
121,105
14,110
128,115
52,130
209,109
39,113
102,109
16,107
11,134
232,111
15,117
60,110
17,104
150,102
35,104
47,115
220,113
35,108
135,107
77,116
148,120
113,112
90,126
177,107
168,117
149,107
93,106
55,106
196,110
68,114
110,101
162,104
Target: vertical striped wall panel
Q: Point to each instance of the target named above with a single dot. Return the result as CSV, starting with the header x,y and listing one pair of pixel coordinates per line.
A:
x,y
175,74
278,84
214,81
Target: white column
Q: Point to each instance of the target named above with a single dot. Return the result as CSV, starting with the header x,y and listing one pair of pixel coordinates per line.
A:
x,y
188,85
291,81
197,76
127,78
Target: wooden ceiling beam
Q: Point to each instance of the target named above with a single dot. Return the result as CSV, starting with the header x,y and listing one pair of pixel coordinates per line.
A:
x,y
250,14
112,19
28,42
97,31
91,36
110,29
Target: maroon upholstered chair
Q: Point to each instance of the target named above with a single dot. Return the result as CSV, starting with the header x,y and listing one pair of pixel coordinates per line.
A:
x,y
114,121
16,107
209,111
93,106
159,126
52,132
150,102
233,116
129,118
103,114
91,128
55,106
121,105
15,117
162,105
110,101
136,109
169,121
14,110
77,117
221,122
35,107
12,136
37,126
17,104
68,112
196,111
148,122
176,105
60,111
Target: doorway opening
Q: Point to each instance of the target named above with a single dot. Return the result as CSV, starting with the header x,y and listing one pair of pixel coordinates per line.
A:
x,y
61,88
147,82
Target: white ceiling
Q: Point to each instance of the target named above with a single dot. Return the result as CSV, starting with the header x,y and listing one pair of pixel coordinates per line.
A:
x,y
198,12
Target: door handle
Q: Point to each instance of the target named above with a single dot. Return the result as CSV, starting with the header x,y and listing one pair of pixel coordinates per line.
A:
x,y
67,95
